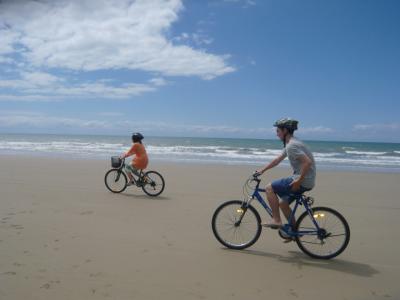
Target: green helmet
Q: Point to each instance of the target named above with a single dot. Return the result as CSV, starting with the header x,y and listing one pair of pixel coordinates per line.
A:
x,y
288,123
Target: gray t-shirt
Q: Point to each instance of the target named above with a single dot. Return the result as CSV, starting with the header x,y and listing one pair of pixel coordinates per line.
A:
x,y
293,150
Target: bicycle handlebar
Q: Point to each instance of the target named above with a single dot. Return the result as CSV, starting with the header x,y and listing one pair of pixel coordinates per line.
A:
x,y
256,177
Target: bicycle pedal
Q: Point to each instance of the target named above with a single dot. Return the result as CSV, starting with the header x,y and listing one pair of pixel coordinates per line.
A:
x,y
284,234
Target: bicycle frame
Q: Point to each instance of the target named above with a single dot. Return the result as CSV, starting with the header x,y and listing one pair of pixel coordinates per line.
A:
x,y
300,200
121,169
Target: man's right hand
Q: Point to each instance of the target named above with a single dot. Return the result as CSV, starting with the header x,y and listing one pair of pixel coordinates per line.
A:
x,y
258,173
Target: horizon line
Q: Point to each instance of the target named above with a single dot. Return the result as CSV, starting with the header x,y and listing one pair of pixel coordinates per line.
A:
x,y
199,137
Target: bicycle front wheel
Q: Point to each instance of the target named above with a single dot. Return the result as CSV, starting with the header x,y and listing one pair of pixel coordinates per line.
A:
x,y
330,240
153,183
115,180
230,231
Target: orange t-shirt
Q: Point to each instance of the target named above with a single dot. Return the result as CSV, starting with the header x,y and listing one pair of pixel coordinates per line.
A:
x,y
140,161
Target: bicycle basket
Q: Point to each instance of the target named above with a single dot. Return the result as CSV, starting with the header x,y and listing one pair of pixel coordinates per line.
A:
x,y
116,161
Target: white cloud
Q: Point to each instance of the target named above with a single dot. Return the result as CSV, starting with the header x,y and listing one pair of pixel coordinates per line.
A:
x,y
39,78
40,86
29,98
32,121
110,114
377,127
8,38
302,130
29,120
98,89
245,3
38,120
315,130
29,81
89,35
45,44
158,81
199,38
6,60
388,132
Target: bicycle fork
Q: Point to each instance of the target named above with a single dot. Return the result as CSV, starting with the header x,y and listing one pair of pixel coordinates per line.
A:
x,y
242,210
118,175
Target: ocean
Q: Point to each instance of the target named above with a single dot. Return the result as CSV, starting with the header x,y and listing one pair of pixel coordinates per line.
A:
x,y
354,156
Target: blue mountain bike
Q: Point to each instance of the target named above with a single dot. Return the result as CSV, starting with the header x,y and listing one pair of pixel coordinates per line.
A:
x,y
320,232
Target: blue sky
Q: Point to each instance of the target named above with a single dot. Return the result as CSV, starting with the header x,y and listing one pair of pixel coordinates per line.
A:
x,y
218,68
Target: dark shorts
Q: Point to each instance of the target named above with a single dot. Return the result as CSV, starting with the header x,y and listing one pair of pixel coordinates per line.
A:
x,y
283,189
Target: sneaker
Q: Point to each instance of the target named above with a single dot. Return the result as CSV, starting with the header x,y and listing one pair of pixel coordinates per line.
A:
x,y
287,238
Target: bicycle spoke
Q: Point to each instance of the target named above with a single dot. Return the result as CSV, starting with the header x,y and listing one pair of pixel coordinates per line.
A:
x,y
327,241
152,183
237,234
335,235
314,243
115,181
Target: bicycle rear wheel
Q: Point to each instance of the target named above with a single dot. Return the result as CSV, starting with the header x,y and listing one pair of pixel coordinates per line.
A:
x,y
231,233
153,183
332,238
115,180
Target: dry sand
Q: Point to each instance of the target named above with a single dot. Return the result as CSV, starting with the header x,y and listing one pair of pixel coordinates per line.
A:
x,y
64,236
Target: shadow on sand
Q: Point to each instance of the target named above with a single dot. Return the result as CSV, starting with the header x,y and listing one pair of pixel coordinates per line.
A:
x,y
144,196
300,260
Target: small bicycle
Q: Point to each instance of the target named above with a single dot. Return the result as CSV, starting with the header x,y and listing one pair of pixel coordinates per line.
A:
x,y
320,232
151,182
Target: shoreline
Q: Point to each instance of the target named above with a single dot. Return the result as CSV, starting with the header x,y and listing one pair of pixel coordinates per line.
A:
x,y
162,161
329,155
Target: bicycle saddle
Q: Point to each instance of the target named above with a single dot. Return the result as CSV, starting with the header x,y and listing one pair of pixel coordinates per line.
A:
x,y
297,195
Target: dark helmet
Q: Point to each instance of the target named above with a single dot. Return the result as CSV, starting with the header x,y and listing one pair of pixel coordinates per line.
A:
x,y
289,124
137,137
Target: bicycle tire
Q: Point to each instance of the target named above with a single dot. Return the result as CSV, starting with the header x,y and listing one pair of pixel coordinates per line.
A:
x,y
217,234
320,210
146,186
121,175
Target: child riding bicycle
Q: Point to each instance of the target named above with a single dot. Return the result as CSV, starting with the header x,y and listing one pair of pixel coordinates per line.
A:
x,y
140,161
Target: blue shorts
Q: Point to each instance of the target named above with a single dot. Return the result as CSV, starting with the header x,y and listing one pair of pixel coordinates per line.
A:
x,y
283,189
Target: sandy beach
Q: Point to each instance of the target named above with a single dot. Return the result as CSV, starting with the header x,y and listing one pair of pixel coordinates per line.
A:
x,y
64,236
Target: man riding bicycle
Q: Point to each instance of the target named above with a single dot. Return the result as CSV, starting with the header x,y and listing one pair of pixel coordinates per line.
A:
x,y
304,172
